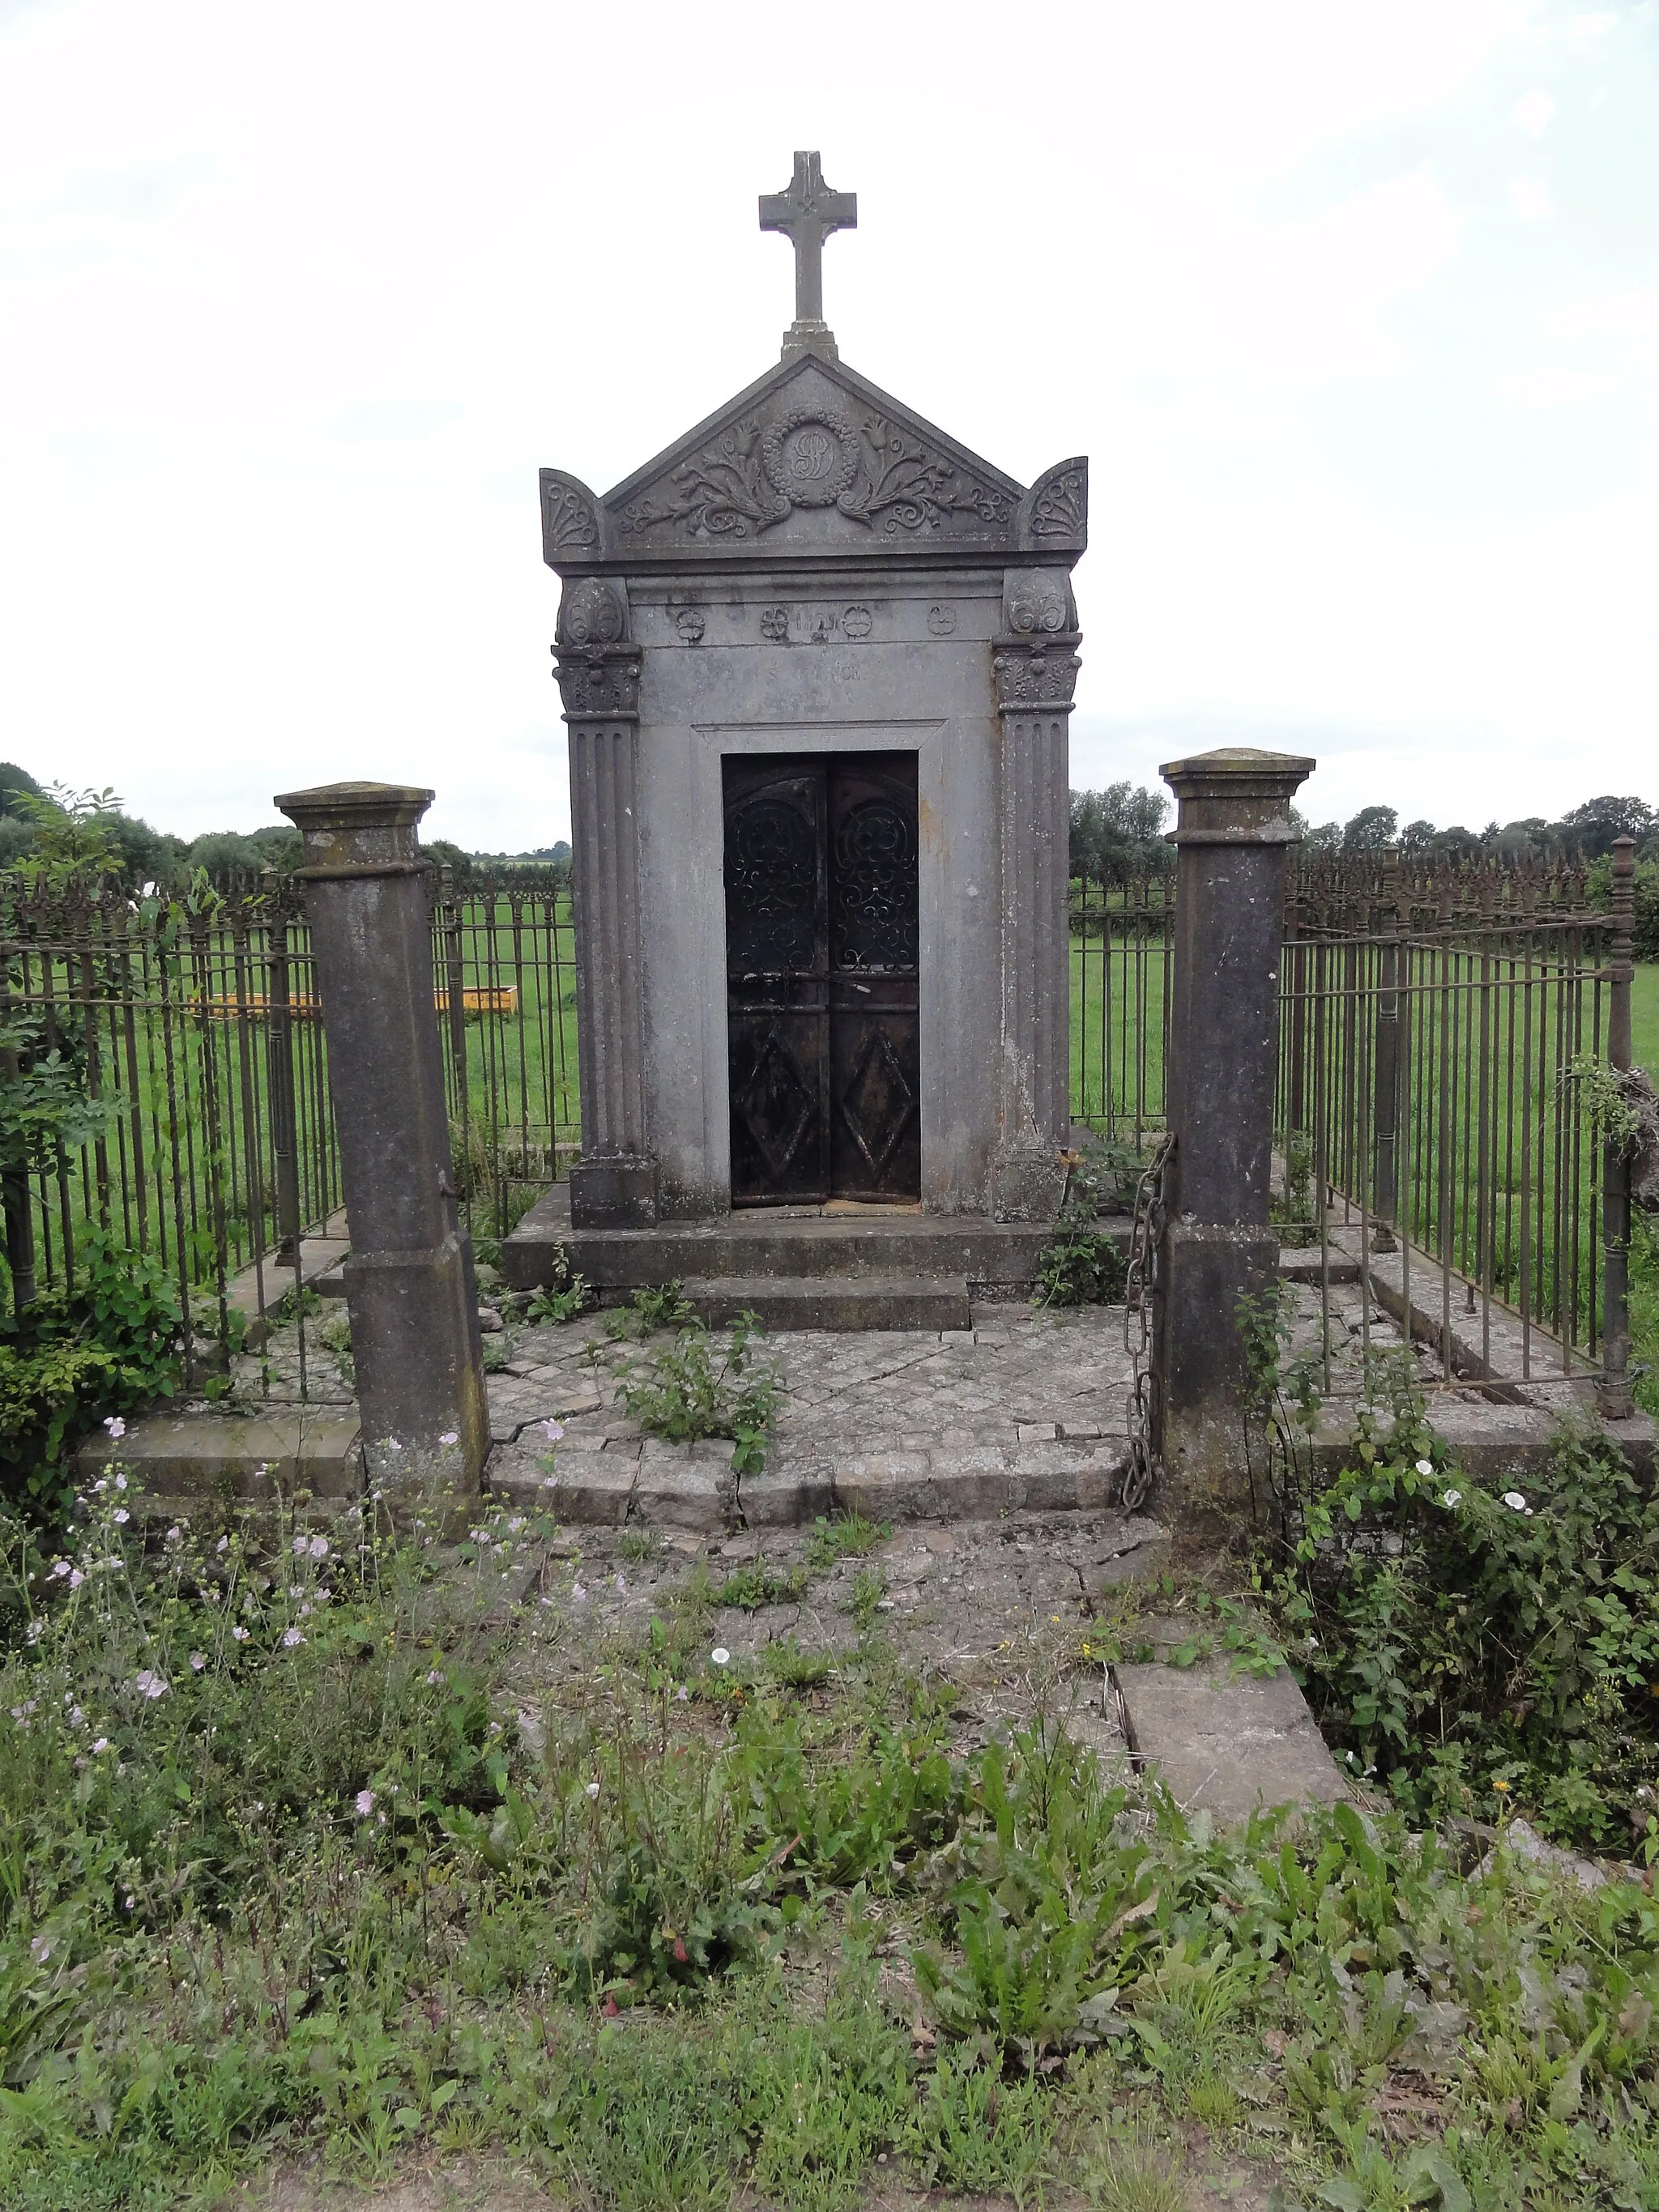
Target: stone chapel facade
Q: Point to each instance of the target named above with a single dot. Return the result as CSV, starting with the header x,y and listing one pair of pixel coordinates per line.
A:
x,y
817,661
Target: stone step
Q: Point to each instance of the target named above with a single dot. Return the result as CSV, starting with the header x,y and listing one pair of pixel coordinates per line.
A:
x,y
898,1242
786,1301
1221,1741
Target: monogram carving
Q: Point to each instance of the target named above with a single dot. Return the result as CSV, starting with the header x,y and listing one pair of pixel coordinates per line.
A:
x,y
690,625
857,622
877,473
597,681
1036,675
774,623
811,456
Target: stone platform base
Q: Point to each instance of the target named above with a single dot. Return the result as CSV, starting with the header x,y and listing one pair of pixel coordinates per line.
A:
x,y
910,1253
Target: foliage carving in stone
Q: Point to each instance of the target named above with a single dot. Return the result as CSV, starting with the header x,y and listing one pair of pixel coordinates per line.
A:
x,y
592,613
812,455
1038,675
571,528
598,682
1054,513
1036,602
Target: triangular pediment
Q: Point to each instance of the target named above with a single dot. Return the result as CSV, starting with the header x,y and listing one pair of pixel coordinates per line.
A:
x,y
812,461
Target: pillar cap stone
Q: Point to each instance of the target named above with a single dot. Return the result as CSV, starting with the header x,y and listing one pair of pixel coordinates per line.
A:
x,y
357,828
1236,795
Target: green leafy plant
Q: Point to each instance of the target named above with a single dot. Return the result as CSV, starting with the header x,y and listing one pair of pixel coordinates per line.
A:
x,y
109,1347
1079,1267
848,1536
1478,1649
694,1388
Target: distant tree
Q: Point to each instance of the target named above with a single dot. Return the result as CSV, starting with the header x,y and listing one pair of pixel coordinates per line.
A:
x,y
1417,836
17,838
1317,836
1593,826
281,845
443,855
1457,842
147,855
1117,834
224,853
13,780
1369,830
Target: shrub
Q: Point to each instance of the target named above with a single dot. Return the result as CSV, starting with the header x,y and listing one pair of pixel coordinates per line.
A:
x,y
109,1347
1476,1648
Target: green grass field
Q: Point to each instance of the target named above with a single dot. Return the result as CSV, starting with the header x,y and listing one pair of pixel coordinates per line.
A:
x,y
1645,1018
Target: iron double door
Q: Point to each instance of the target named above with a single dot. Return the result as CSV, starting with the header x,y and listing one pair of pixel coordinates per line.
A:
x,y
821,955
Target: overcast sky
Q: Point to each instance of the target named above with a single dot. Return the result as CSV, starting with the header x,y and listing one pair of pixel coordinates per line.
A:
x,y
1354,307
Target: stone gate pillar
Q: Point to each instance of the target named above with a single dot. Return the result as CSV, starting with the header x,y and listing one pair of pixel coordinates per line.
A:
x,y
1232,833
614,1184
410,1287
1036,665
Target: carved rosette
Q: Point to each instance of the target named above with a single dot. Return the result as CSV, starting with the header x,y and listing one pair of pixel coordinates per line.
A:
x,y
598,682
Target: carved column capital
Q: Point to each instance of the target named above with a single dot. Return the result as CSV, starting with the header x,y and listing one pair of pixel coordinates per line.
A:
x,y
599,682
1036,674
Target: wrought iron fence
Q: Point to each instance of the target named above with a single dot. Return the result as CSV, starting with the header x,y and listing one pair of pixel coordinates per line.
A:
x,y
166,1076
1435,1123
1123,937
167,1085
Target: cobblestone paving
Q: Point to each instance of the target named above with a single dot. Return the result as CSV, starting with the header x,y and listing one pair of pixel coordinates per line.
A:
x,y
1025,1411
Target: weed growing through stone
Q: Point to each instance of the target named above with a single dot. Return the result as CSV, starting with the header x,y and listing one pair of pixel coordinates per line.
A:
x,y
756,1584
692,1389
848,1536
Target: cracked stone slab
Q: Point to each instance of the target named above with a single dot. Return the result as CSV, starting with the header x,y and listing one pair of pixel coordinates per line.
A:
x,y
1225,1743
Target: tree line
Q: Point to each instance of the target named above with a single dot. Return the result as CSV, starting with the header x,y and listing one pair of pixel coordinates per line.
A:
x,y
37,820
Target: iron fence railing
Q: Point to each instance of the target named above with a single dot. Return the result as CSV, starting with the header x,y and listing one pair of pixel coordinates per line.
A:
x,y
1122,940
1433,1113
166,1082
1436,1115
165,1078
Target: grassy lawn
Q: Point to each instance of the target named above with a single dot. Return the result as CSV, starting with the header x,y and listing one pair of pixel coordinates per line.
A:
x,y
1645,1018
371,1854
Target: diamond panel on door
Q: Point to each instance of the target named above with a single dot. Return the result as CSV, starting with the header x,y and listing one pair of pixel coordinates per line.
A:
x,y
875,1139
776,961
822,975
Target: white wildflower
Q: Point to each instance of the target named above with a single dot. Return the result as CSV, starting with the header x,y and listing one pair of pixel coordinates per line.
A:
x,y
721,1656
1452,1498
1515,1501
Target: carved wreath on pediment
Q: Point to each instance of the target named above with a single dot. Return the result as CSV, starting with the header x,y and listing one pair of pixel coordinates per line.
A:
x,y
812,456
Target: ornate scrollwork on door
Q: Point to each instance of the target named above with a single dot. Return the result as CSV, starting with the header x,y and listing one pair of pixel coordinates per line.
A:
x,y
874,898
771,876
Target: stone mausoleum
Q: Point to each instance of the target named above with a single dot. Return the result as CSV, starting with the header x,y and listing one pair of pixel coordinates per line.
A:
x,y
817,661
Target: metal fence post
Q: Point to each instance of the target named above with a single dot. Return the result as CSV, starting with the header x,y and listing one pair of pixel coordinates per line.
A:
x,y
410,1285
279,1078
1232,836
1385,1102
1613,1390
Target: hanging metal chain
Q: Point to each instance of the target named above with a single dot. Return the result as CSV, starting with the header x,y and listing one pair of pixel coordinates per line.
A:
x,y
1146,1246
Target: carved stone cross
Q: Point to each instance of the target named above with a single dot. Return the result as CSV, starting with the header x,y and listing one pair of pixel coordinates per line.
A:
x,y
808,212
